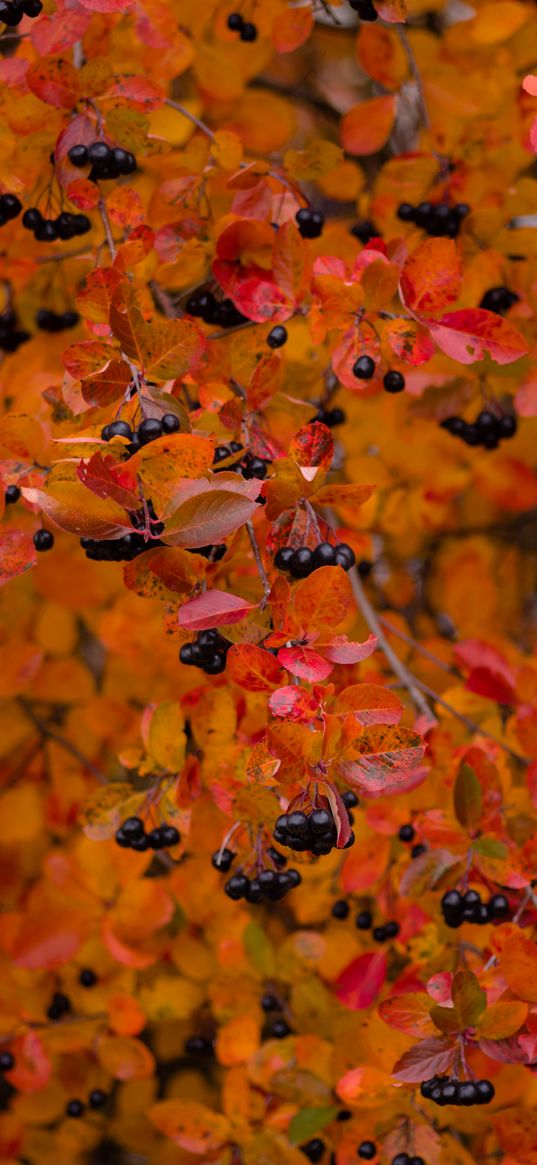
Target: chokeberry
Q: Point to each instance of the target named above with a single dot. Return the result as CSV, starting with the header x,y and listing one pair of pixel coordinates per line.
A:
x,y
269,1002
345,555
407,833
222,859
117,429
283,558
87,977
350,800
7,1061
394,381
301,562
340,909
367,1150
97,1098
170,423
277,337
364,368
417,850
43,540
74,1108
498,906
248,31
234,21
405,211
78,155
364,920
12,495
149,430
313,1149
279,1029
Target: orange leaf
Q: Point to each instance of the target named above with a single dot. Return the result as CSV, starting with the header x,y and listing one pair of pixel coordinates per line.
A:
x,y
253,668
367,126
502,1020
370,704
54,81
432,276
125,1059
323,599
193,1126
409,1013
518,963
17,554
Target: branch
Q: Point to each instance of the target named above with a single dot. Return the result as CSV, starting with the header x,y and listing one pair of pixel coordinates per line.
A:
x,y
258,560
49,734
190,117
413,66
413,643
107,229
472,725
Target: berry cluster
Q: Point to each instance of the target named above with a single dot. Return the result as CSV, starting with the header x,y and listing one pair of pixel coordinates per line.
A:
x,y
12,11
223,313
10,205
123,549
310,222
499,299
364,9
438,219
447,1090
208,652
267,886
315,832
105,161
302,562
329,417
132,835
43,540
250,466
11,337
364,369
148,430
381,934
47,230
59,1006
458,908
51,321
487,430
96,1099
246,30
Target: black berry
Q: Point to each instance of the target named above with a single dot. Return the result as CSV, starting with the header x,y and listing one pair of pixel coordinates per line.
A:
x,y
394,381
277,337
43,540
364,368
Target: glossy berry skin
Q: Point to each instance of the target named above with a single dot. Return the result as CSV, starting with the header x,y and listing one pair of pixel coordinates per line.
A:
x,y
507,426
97,1098
391,929
234,21
283,558
485,1091
32,218
197,1045
350,800
417,850
78,156
277,337
367,1150
279,1029
43,540
310,222
236,887
87,977
467,1093
133,827
74,1108
422,214
454,425
215,664
364,920
10,206
222,859
248,32
169,835
313,1149
407,833
12,495
170,423
401,1159
365,231
118,429
324,555
149,430
364,368
99,154
379,934
498,906
297,823
345,556
255,468
7,1061
340,909
302,562
405,212
10,14
394,381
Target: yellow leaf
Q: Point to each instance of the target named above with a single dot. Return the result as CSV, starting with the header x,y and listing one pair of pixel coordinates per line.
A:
x,y
166,739
495,23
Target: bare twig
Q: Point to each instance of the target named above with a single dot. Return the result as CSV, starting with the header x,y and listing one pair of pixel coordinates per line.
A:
x,y
163,300
107,228
190,117
417,646
472,725
412,64
49,734
258,559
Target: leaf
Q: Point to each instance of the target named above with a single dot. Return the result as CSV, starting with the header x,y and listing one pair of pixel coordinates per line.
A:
x,y
409,340
289,261
323,599
213,608
191,1125
343,495
360,982
305,662
75,508
469,998
209,518
108,386
254,668
17,554
163,348
107,5
432,276
292,702
260,950
45,941
466,335
88,357
408,1012
430,1057
54,81
498,22
394,11
342,650
518,964
467,798
310,1121
339,813
105,478
125,1058
367,126
382,757
295,746
502,1020
33,1065
313,445
165,736
370,704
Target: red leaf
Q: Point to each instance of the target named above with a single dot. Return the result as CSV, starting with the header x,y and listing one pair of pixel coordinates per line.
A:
x,y
54,81
213,609
432,276
17,554
33,1067
293,703
313,445
466,335
341,650
254,668
305,662
104,477
426,1059
339,813
360,982
409,341
107,5
370,704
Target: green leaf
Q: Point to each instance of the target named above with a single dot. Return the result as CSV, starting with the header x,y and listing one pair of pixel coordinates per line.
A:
x,y
467,798
310,1121
469,999
447,1019
490,847
259,949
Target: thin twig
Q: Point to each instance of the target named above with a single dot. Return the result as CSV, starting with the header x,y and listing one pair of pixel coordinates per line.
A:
x,y
107,228
413,66
163,300
49,734
258,560
528,896
417,646
57,257
472,725
190,117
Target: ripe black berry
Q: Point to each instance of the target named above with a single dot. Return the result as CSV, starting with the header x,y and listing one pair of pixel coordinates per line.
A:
x,y
340,909
12,495
302,562
234,21
467,1093
87,977
310,222
99,154
345,556
407,833
365,231
367,1150
237,886
117,429
43,540
170,423
78,155
364,920
485,1091
405,211
269,1002
283,558
401,1159
324,555
7,1061
422,214
379,934
391,929
279,1029
133,827
350,800
74,1108
149,430
507,426
498,906
97,1098
364,368
248,32
222,859
277,337
394,381
417,850
313,1149
255,468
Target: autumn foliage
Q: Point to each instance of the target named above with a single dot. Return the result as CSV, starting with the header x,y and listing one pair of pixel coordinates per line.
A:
x,y
268,497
